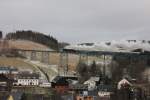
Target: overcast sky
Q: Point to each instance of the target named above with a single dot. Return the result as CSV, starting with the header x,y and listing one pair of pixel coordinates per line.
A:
x,y
77,21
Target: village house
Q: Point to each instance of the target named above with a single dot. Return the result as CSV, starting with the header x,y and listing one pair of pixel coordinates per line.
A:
x,y
27,79
105,92
61,83
124,91
123,84
92,83
82,92
87,95
78,88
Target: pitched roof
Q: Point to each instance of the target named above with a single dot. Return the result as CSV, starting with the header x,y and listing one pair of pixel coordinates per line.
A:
x,y
28,75
63,79
122,82
79,87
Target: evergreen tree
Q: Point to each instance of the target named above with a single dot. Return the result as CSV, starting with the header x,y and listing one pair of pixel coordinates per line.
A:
x,y
93,69
1,34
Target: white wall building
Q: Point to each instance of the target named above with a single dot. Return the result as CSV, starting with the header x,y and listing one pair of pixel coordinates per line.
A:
x,y
27,79
27,82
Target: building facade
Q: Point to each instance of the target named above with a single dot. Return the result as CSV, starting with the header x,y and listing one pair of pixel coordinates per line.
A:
x,y
27,79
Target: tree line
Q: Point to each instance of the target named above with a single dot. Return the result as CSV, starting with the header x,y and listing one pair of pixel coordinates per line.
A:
x,y
130,67
121,66
35,37
86,71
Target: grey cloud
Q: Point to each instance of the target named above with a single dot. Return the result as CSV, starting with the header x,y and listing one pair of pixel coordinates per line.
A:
x,y
78,20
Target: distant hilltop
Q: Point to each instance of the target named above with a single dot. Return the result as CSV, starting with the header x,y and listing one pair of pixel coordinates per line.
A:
x,y
114,46
30,40
36,37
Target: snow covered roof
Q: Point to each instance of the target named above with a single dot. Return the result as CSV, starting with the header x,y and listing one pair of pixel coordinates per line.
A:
x,y
113,46
122,82
96,79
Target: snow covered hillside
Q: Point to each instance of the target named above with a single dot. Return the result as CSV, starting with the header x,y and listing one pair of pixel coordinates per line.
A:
x,y
114,46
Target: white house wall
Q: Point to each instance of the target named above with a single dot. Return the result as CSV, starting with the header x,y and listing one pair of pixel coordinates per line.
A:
x,y
28,82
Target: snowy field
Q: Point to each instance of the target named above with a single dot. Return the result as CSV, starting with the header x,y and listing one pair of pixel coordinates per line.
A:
x,y
113,46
